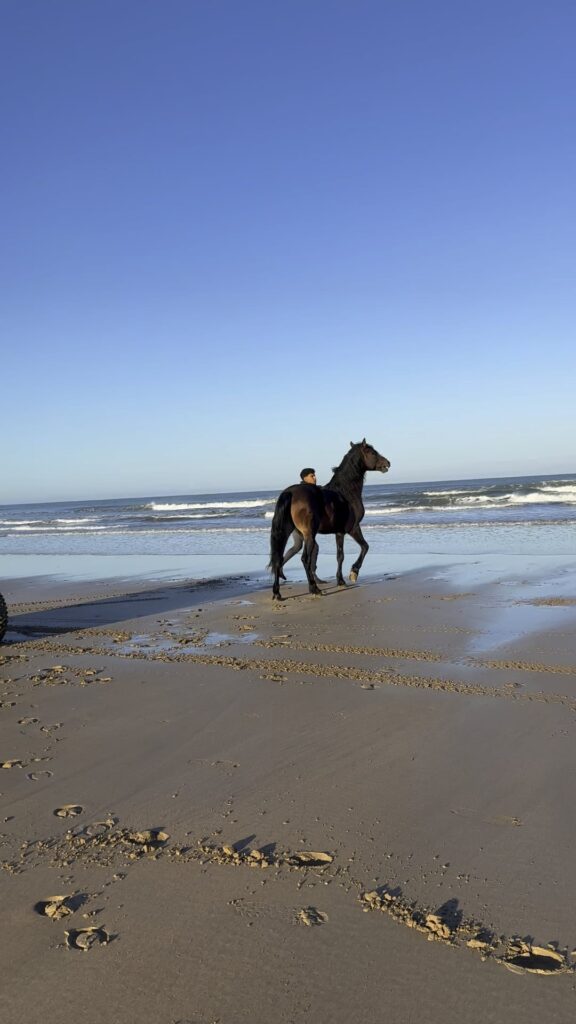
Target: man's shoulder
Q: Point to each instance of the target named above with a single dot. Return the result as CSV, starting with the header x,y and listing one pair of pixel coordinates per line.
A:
x,y
302,485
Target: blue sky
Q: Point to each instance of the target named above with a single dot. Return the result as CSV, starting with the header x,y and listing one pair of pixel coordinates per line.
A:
x,y
238,234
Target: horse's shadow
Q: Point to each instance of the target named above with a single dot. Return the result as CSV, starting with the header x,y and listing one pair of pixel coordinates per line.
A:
x,y
332,589
302,593
158,600
101,612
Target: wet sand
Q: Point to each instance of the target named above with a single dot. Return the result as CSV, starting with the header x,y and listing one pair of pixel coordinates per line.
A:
x,y
355,807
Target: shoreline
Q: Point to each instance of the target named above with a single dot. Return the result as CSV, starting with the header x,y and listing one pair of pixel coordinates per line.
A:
x,y
418,729
179,567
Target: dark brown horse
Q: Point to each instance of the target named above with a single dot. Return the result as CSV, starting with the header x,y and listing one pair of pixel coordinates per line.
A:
x,y
336,508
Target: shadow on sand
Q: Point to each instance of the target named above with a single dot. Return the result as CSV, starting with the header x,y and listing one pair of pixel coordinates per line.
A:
x,y
98,612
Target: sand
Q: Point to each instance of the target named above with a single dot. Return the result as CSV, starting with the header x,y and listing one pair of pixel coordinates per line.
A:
x,y
350,808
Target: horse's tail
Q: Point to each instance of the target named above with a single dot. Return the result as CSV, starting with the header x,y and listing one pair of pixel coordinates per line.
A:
x,y
282,527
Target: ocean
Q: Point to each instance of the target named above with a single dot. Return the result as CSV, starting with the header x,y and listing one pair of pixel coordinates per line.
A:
x,y
211,534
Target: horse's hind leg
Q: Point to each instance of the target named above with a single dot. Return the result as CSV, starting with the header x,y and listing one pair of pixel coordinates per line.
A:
x,y
309,557
278,574
316,576
282,527
358,536
340,559
296,547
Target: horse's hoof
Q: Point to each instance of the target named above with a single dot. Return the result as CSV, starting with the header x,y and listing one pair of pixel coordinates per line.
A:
x,y
316,592
341,582
277,597
353,576
282,577
321,582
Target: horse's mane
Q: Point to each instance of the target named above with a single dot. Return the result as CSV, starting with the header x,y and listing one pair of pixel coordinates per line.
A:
x,y
351,470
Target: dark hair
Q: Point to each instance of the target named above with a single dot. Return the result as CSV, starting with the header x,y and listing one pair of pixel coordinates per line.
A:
x,y
306,472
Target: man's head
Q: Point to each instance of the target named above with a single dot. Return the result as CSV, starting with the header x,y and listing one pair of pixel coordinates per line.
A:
x,y
308,475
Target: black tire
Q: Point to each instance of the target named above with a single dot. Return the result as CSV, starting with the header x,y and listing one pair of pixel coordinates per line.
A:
x,y
3,617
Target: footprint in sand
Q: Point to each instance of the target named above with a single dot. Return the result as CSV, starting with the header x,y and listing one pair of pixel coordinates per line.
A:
x,y
248,908
96,828
514,954
309,859
68,811
13,763
311,916
85,938
57,907
39,776
522,957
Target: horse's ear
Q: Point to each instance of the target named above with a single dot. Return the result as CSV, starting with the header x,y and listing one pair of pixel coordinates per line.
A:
x,y
351,444
364,441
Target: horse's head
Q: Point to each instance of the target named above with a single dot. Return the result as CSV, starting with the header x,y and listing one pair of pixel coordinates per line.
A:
x,y
372,459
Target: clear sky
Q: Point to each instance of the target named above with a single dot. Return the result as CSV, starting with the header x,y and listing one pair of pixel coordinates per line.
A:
x,y
238,234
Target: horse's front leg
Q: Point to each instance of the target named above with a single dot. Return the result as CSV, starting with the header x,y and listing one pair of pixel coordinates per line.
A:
x,y
340,559
358,536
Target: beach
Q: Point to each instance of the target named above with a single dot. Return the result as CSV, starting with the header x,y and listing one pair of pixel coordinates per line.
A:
x,y
354,807
225,799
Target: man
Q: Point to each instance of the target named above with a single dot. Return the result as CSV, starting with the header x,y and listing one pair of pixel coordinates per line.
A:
x,y
307,476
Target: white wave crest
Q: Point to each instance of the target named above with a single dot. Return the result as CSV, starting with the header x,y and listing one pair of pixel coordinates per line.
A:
x,y
257,503
20,522
386,510
90,519
441,494
30,528
194,515
553,496
569,489
482,501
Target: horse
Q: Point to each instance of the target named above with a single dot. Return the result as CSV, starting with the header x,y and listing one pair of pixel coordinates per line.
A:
x,y
336,508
